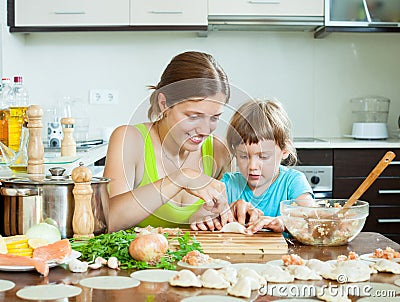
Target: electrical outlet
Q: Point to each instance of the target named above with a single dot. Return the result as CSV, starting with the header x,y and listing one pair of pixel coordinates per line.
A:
x,y
103,96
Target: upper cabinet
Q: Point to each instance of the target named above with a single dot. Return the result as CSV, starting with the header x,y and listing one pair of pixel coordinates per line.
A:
x,y
300,15
168,13
49,13
266,7
73,15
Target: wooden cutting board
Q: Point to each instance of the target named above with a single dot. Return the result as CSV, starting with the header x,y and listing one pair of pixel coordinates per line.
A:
x,y
232,243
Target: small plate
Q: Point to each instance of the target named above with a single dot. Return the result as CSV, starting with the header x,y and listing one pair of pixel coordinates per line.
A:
x,y
258,267
25,268
215,264
153,275
213,298
370,257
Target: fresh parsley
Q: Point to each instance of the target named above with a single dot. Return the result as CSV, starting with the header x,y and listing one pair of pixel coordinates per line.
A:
x,y
117,244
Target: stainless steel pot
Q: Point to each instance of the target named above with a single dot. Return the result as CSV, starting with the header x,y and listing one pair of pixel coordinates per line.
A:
x,y
28,201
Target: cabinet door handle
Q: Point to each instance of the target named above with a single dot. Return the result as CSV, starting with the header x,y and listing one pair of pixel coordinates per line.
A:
x,y
69,13
264,1
157,12
395,162
388,191
388,220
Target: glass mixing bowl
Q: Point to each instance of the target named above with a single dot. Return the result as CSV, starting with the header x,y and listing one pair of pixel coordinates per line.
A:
x,y
319,222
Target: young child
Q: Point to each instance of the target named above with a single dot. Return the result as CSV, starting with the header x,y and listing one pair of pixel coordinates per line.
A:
x,y
259,136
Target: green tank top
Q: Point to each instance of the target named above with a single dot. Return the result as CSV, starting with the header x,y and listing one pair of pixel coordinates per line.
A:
x,y
170,215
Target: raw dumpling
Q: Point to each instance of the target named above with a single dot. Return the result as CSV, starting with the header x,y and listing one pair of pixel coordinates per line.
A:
x,y
242,288
213,279
353,270
257,281
233,227
185,278
318,266
229,273
388,266
274,273
302,272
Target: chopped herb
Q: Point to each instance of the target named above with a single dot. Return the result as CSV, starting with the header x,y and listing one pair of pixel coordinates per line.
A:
x,y
117,244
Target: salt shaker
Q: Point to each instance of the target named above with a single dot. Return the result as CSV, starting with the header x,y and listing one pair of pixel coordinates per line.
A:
x,y
83,218
35,143
68,144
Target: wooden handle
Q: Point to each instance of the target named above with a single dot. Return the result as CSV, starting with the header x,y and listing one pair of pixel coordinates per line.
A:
x,y
35,143
83,218
373,175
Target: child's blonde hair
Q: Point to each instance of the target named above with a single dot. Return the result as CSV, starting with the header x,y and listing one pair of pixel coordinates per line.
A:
x,y
258,120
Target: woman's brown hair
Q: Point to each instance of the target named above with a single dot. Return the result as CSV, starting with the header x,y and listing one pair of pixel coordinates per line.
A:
x,y
189,74
258,120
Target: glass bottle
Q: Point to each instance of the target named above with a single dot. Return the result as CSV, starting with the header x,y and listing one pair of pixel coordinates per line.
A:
x,y
20,163
18,100
5,89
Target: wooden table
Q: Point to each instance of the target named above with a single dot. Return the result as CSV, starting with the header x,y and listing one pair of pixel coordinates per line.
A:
x,y
148,291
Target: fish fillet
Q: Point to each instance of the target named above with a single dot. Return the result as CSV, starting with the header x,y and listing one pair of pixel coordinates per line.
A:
x,y
56,251
15,260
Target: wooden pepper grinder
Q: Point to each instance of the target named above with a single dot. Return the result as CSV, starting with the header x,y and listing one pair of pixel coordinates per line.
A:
x,y
35,143
83,219
68,144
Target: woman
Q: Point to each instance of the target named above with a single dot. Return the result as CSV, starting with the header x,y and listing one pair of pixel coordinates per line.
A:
x,y
160,169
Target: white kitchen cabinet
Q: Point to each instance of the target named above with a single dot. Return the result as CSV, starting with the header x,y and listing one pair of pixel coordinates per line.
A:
x,y
266,7
58,13
168,13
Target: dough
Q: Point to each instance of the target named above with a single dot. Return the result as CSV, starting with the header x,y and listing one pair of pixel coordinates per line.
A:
x,y
349,271
385,265
273,273
233,227
229,273
302,272
213,279
48,292
185,278
242,288
6,285
257,281
109,282
318,266
153,275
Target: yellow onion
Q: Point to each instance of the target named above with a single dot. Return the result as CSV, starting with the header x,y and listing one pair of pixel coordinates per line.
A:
x,y
148,248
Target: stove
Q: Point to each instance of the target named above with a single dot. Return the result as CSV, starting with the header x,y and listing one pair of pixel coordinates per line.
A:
x,y
320,178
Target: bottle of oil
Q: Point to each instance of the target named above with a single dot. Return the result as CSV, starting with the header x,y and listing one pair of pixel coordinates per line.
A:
x,y
20,162
18,100
5,89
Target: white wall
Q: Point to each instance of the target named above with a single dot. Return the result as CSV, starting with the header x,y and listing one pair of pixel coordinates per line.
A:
x,y
315,79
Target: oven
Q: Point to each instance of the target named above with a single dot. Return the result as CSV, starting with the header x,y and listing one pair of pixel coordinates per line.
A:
x,y
320,179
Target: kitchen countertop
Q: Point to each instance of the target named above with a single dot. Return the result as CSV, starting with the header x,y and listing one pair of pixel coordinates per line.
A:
x,y
340,143
53,159
149,291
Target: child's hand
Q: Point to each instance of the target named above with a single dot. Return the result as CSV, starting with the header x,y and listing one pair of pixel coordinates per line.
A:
x,y
274,224
241,209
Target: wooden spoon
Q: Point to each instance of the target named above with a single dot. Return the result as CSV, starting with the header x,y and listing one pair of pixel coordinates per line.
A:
x,y
325,228
372,176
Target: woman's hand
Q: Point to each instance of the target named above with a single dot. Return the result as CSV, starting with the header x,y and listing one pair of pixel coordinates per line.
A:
x,y
212,192
242,209
204,220
273,223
